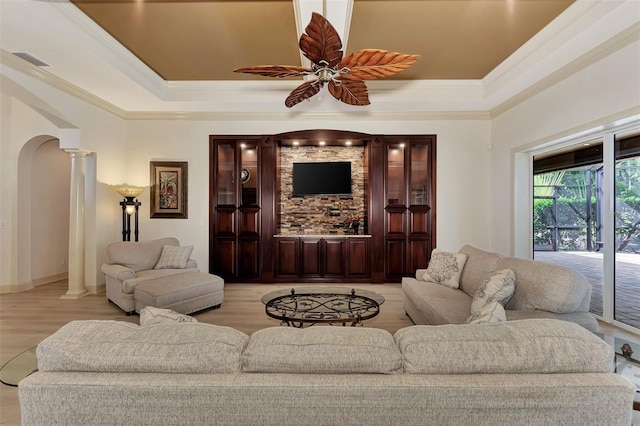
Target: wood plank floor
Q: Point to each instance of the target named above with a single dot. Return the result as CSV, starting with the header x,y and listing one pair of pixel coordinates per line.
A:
x,y
28,317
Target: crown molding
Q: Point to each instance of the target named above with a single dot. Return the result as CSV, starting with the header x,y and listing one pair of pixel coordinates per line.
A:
x,y
25,67
443,89
118,55
622,39
310,116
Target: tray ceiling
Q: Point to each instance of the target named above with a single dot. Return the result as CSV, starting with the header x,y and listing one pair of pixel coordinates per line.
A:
x,y
206,40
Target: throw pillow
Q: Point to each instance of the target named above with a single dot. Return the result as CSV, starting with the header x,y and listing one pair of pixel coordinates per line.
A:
x,y
491,313
445,268
151,315
499,287
174,257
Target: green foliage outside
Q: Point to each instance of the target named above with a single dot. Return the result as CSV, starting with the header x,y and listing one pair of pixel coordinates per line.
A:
x,y
570,190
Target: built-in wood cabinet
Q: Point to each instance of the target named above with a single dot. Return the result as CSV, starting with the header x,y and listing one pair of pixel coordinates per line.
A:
x,y
245,186
238,196
322,257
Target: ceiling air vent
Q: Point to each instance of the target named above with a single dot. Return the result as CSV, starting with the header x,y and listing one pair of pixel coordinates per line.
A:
x,y
30,58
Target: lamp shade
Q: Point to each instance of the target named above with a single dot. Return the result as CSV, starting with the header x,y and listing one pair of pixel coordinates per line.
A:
x,y
129,191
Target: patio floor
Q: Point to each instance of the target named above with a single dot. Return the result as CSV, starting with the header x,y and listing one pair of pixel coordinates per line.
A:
x,y
627,271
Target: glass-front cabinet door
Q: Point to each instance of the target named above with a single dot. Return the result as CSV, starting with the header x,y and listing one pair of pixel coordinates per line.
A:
x,y
225,173
395,174
409,203
419,181
235,211
249,173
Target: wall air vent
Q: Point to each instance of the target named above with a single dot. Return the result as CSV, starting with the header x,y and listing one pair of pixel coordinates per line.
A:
x,y
30,58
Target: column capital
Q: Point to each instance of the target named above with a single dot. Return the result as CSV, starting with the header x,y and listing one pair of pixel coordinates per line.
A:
x,y
78,153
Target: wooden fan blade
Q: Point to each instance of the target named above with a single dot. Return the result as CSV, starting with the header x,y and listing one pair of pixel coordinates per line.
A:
x,y
275,70
321,41
302,92
369,64
350,91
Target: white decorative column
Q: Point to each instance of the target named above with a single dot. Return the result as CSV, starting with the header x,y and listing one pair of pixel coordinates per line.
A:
x,y
77,287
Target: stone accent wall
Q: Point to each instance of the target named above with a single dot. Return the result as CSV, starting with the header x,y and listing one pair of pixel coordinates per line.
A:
x,y
315,214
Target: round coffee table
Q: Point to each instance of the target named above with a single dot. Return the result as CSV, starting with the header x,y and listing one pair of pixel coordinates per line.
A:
x,y
328,305
19,367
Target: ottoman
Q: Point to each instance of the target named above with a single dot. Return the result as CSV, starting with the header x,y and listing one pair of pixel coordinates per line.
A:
x,y
184,293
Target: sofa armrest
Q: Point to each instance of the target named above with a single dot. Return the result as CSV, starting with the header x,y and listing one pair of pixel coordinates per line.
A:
x,y
420,274
118,272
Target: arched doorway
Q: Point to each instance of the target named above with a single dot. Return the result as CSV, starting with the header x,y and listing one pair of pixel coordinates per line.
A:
x,y
43,211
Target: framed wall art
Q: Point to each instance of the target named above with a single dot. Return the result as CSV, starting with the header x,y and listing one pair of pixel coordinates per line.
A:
x,y
168,189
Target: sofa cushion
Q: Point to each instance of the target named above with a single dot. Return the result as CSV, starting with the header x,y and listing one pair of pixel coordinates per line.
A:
x,y
546,287
138,256
130,285
150,315
499,287
511,347
490,313
437,304
173,257
479,265
445,268
322,350
122,347
585,319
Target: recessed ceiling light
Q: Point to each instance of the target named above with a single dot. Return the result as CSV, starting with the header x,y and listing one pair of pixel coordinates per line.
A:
x,y
243,145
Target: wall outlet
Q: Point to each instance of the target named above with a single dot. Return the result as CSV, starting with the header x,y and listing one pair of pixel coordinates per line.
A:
x,y
3,224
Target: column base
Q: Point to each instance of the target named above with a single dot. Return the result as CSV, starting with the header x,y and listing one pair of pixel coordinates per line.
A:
x,y
74,296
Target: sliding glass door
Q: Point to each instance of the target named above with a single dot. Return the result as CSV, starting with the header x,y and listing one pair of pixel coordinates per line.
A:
x,y
627,231
586,216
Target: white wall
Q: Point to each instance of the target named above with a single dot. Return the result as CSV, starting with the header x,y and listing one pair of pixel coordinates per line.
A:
x,y
33,112
463,156
51,171
596,96
23,131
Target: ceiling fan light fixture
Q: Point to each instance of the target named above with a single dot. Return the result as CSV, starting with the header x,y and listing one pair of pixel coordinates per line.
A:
x,y
344,76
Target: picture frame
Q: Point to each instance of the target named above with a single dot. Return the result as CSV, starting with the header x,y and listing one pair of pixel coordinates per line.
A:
x,y
169,198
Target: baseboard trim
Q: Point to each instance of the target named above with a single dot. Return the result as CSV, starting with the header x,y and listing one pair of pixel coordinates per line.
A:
x,y
16,288
50,279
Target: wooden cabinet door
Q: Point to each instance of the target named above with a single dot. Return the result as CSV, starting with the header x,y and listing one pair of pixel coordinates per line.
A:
x,y
310,257
334,257
358,257
286,257
223,258
248,258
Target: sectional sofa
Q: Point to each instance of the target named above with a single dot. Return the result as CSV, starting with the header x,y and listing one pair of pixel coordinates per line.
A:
x,y
540,371
541,291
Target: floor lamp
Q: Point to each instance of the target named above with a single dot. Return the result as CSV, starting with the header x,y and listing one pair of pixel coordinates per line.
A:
x,y
129,208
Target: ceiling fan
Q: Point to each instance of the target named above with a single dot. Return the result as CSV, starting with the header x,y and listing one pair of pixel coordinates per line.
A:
x,y
344,76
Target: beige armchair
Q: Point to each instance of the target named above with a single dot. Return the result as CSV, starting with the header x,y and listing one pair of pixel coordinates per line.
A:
x,y
132,263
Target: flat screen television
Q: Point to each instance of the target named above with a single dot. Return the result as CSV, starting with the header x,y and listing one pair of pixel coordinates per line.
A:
x,y
324,178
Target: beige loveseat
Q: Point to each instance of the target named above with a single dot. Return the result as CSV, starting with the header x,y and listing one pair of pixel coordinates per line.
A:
x,y
541,291
158,273
517,372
